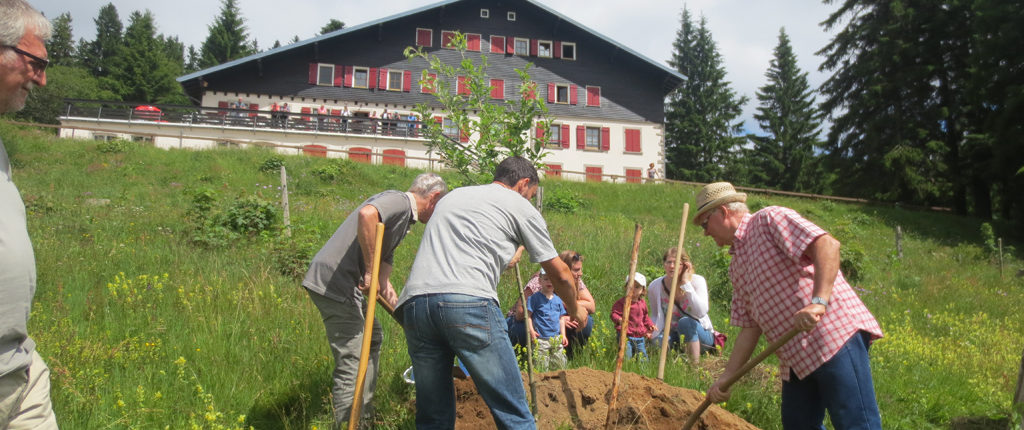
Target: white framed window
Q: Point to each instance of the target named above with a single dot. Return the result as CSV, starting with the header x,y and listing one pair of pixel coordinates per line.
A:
x,y
325,74
562,94
544,48
554,137
146,139
360,77
485,13
395,80
568,50
103,137
522,46
594,138
450,128
511,16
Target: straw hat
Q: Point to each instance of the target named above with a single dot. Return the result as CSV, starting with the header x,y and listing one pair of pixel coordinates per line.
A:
x,y
715,195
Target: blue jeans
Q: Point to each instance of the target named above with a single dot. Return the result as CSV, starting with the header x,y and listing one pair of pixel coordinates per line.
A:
x,y
842,385
439,327
691,331
637,344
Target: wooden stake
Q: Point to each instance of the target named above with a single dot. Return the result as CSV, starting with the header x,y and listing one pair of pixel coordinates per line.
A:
x,y
529,345
284,203
739,374
667,327
1000,258
609,421
364,355
899,242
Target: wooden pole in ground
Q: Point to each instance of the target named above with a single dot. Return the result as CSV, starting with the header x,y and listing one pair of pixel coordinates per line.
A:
x,y
609,421
739,374
529,344
284,203
667,327
371,306
1000,258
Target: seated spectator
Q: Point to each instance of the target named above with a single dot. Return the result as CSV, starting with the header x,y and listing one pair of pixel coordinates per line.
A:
x,y
657,297
578,335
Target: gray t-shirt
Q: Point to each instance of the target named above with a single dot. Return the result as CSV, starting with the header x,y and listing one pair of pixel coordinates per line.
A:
x,y
339,266
471,237
17,274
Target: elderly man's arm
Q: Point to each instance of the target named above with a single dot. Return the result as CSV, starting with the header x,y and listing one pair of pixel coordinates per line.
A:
x,y
824,255
565,287
746,341
387,290
366,236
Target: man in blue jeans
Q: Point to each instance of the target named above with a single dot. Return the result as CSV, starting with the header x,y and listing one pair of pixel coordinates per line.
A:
x,y
449,306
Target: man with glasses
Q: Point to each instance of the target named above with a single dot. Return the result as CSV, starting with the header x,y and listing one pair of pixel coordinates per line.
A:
x,y
24,377
785,274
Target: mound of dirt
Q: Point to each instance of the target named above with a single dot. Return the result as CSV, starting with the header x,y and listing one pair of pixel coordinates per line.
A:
x,y
578,398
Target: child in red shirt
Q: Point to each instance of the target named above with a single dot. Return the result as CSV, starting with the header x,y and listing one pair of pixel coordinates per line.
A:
x,y
640,327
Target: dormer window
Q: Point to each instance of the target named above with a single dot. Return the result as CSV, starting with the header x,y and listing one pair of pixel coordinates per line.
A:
x,y
511,16
485,13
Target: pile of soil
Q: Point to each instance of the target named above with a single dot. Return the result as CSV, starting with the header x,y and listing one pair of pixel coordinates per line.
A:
x,y
578,398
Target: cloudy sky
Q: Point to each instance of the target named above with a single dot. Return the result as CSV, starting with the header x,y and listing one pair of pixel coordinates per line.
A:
x,y
746,31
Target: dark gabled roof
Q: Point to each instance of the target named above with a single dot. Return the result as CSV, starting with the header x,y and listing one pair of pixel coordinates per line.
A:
x,y
342,31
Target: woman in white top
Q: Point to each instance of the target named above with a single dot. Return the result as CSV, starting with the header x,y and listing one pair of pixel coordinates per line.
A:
x,y
690,311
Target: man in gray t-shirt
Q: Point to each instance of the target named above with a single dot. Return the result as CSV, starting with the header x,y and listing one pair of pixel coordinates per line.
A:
x,y
449,306
342,270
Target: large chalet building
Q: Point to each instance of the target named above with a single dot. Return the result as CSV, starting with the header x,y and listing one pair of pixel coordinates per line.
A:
x,y
607,101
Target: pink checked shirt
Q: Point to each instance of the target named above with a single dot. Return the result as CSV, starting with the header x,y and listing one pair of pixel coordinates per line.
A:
x,y
772,279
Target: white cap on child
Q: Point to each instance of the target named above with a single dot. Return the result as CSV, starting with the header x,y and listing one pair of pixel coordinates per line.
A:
x,y
640,279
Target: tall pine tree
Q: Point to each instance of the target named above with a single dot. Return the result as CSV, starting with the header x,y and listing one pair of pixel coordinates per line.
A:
x,y
146,73
61,46
102,54
700,132
784,159
228,39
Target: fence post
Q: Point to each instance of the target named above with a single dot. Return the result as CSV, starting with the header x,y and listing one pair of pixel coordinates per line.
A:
x,y
1000,258
540,199
899,242
284,203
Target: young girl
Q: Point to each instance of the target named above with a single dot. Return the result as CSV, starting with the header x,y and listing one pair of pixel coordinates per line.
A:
x,y
548,314
640,327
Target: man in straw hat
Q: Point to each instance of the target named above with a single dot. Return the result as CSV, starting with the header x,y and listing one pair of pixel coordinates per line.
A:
x,y
785,274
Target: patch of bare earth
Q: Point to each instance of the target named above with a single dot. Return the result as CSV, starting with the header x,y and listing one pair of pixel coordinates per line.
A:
x,y
578,398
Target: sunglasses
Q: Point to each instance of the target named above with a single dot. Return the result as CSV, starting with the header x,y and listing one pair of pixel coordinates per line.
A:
x,y
38,64
576,257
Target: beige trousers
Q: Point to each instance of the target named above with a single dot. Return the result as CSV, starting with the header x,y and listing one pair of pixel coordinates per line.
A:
x,y
25,398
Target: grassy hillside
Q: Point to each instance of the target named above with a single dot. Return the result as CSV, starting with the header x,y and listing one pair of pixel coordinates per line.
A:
x,y
152,312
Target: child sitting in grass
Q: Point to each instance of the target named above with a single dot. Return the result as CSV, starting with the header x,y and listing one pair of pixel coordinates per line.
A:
x,y
548,314
639,327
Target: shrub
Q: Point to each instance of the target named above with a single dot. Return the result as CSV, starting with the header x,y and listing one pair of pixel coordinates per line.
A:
x,y
333,170
250,216
272,164
851,261
116,146
562,199
291,255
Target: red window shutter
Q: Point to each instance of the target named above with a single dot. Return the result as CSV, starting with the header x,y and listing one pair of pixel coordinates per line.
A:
x,y
358,154
315,150
581,137
498,44
510,45
605,138
473,42
372,78
312,73
594,96
632,140
382,81
553,170
446,38
393,157
533,47
463,136
551,92
439,120
461,87
430,85
497,89
633,176
557,49
349,76
573,96
594,174
540,132
423,37
407,81
565,136
339,75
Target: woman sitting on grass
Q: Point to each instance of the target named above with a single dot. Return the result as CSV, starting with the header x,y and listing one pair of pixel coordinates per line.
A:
x,y
639,328
690,311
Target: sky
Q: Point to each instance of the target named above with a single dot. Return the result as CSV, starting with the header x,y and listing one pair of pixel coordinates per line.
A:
x,y
745,31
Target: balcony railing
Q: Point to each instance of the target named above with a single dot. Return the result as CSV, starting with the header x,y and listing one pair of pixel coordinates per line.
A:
x,y
240,118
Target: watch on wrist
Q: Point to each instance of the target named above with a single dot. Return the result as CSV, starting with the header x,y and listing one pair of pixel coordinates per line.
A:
x,y
819,301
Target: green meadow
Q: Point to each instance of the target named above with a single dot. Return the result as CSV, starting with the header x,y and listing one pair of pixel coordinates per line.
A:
x,y
169,294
